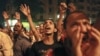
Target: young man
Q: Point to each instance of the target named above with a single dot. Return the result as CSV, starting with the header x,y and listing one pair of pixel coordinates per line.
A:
x,y
82,39
49,43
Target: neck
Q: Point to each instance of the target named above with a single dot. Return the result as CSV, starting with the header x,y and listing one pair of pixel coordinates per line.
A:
x,y
49,40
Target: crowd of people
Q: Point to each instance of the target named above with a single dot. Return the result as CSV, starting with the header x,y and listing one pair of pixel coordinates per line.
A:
x,y
70,36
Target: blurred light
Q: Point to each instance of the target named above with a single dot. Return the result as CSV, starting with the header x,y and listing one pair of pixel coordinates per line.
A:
x,y
26,25
11,22
50,18
58,16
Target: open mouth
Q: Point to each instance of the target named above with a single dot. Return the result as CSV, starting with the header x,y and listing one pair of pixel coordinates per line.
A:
x,y
47,28
86,37
15,30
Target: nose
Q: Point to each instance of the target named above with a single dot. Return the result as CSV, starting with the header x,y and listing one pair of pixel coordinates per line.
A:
x,y
47,24
83,28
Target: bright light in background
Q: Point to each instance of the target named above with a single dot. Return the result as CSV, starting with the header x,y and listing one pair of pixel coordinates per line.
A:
x,y
59,16
11,22
50,18
26,25
92,20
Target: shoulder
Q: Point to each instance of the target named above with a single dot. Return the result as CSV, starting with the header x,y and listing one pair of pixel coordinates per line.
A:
x,y
24,41
6,41
4,36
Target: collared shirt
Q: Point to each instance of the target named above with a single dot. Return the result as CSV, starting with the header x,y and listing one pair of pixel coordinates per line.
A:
x,y
21,45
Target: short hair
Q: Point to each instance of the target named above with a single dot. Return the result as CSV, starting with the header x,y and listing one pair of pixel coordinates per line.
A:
x,y
52,21
80,13
1,26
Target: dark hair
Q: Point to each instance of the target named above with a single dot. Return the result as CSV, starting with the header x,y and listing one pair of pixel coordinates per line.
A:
x,y
55,36
68,17
1,26
52,21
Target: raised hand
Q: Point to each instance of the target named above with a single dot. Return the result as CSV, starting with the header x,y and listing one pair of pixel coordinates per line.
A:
x,y
17,16
62,7
62,10
25,9
5,15
77,42
71,7
94,49
95,34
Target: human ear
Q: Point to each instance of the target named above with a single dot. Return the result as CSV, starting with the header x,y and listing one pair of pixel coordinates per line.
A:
x,y
55,30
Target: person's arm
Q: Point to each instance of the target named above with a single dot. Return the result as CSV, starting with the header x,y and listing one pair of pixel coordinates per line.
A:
x,y
62,10
72,7
94,36
6,17
26,11
77,42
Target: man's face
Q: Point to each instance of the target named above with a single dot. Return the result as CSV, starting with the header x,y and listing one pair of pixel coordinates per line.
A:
x,y
73,25
17,27
49,27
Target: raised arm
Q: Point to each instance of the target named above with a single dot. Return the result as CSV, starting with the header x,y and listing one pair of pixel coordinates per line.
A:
x,y
62,10
6,17
72,7
26,11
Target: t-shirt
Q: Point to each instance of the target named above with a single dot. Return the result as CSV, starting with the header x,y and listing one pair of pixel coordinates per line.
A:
x,y
41,49
68,47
